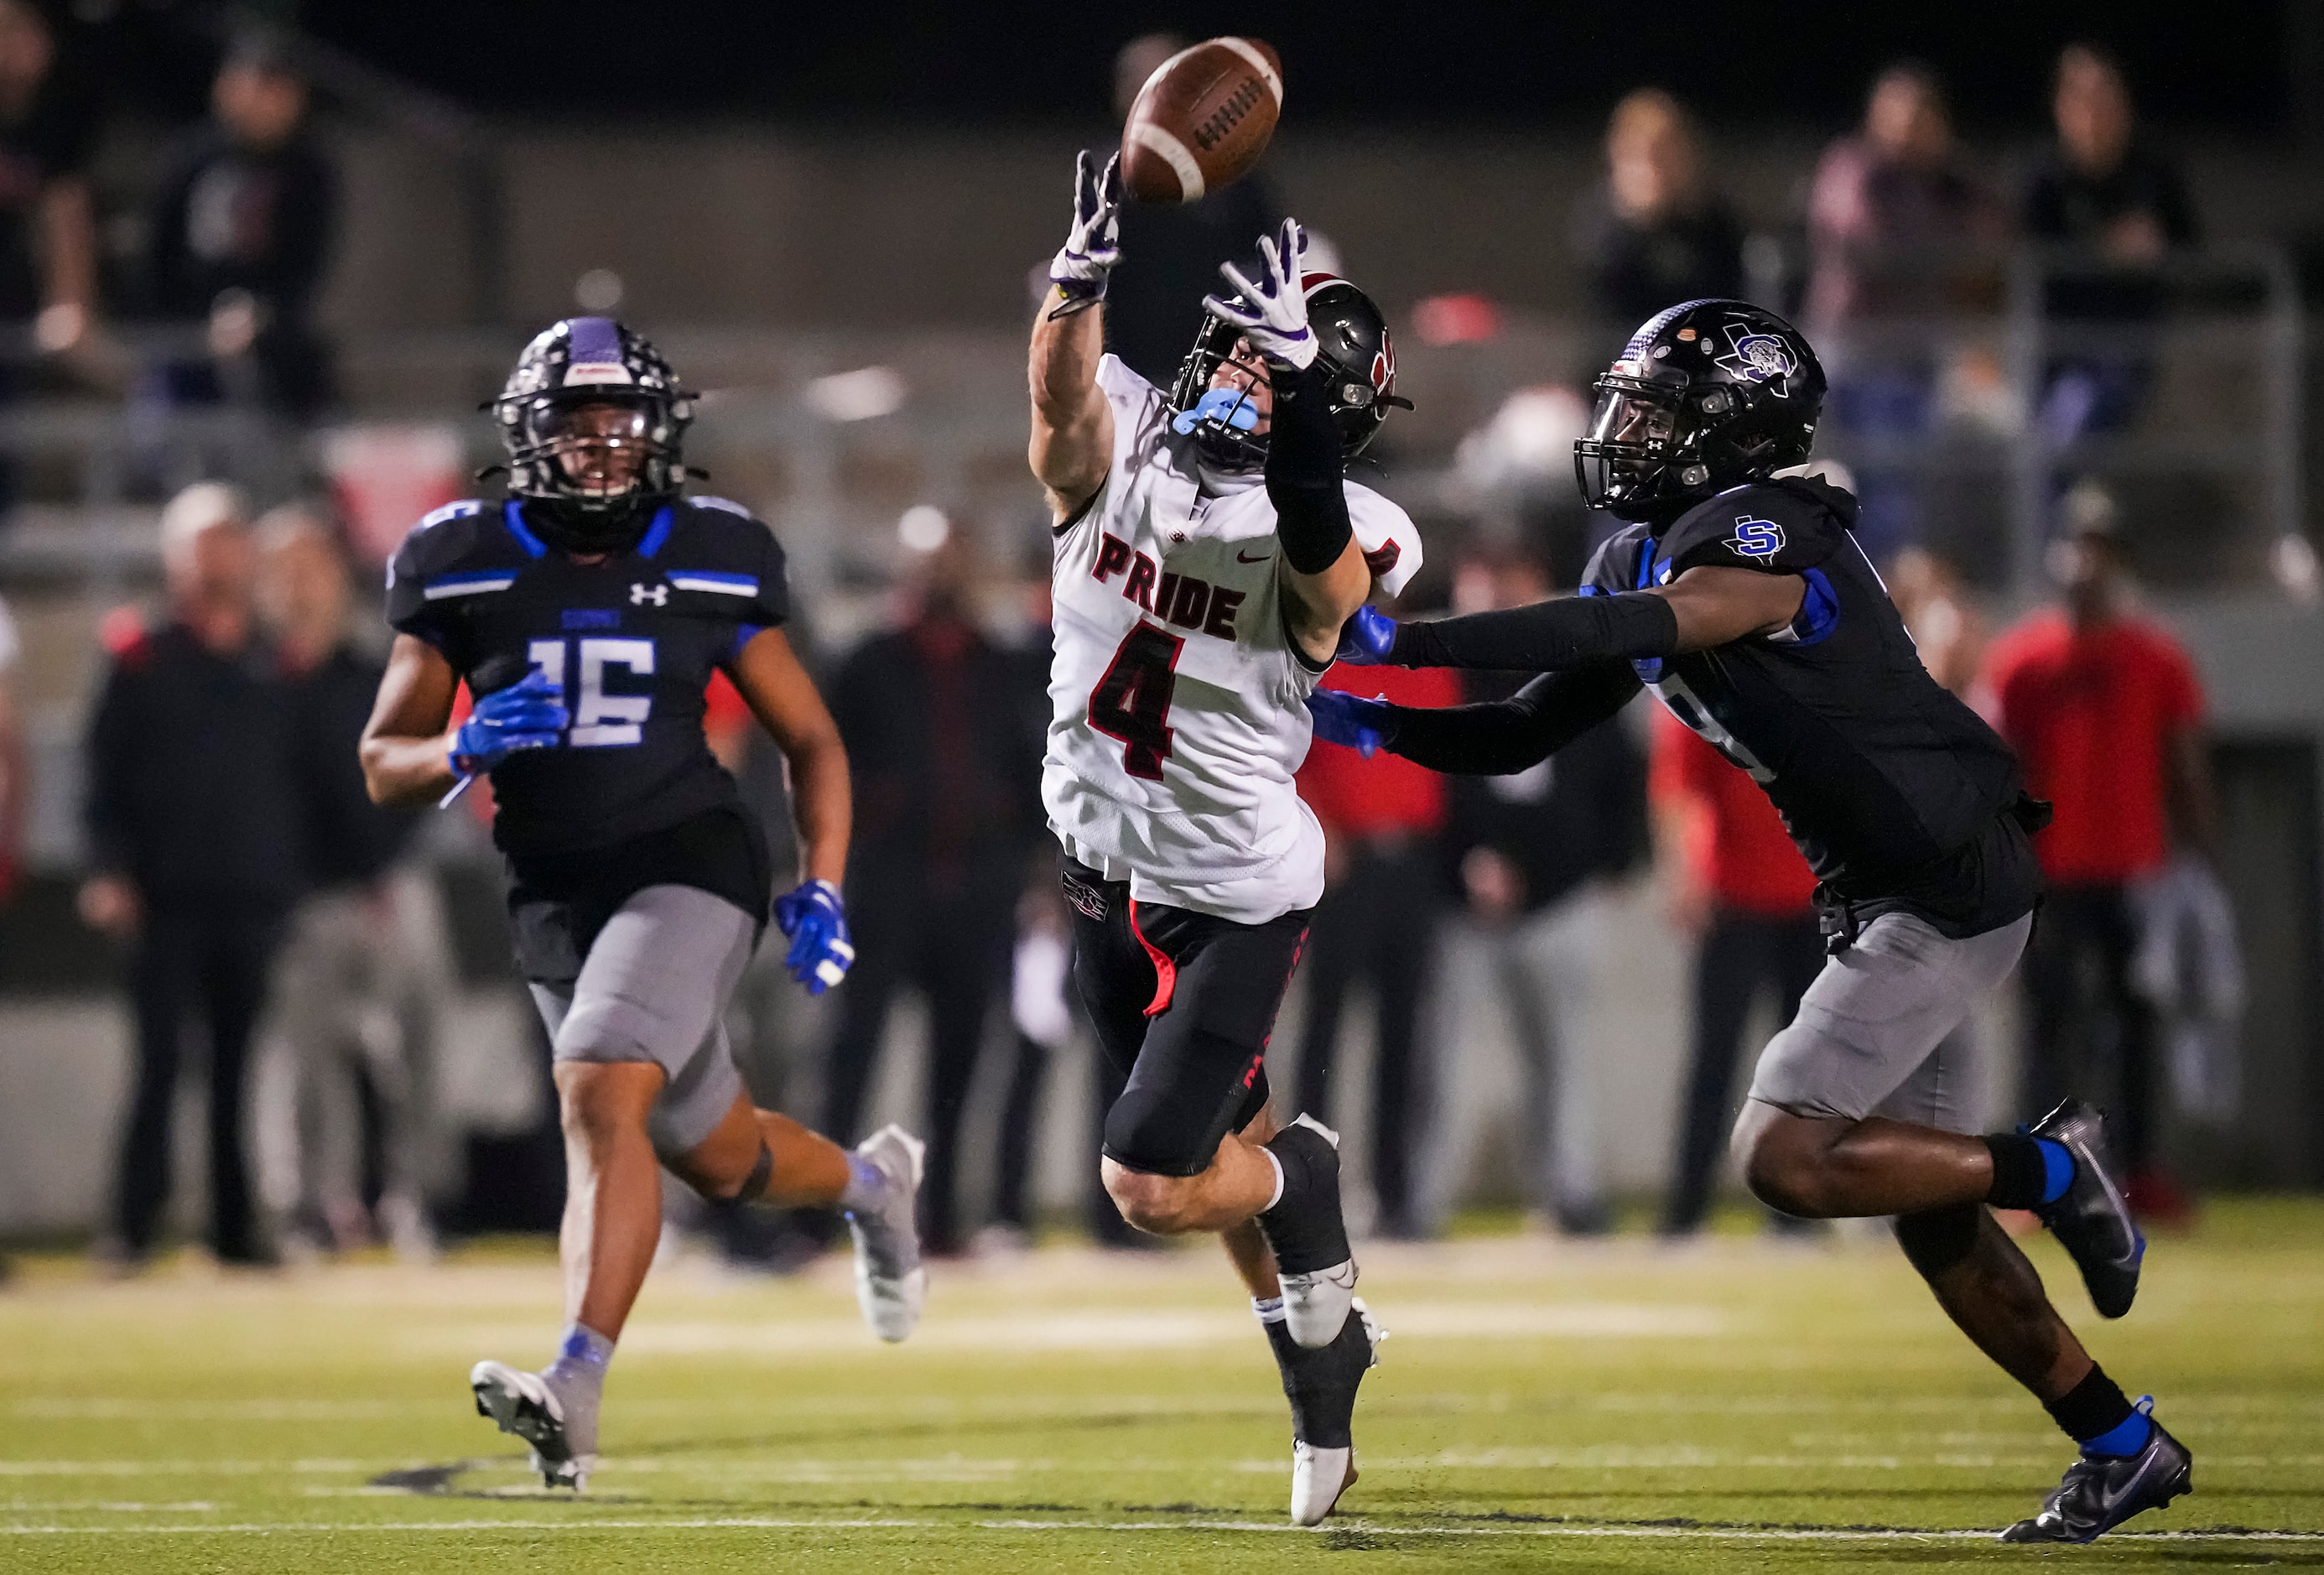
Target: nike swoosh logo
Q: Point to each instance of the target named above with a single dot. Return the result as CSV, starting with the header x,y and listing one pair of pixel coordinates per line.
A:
x,y
1262,557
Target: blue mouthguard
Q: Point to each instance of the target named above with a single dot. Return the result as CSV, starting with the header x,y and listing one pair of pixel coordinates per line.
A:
x,y
1230,405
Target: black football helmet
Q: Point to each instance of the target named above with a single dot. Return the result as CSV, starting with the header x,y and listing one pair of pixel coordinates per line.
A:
x,y
1706,396
585,391
1354,353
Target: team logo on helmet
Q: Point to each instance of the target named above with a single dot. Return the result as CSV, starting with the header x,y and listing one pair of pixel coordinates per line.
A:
x,y
1384,365
1760,357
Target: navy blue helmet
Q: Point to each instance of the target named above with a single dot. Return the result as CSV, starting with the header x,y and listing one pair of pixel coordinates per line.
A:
x,y
595,421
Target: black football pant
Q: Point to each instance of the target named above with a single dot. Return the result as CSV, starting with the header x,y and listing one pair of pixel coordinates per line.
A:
x,y
1741,954
206,962
1376,925
2086,1031
1183,1004
954,947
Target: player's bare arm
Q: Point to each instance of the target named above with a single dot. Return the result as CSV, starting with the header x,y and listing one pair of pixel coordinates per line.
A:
x,y
1072,426
769,676
407,744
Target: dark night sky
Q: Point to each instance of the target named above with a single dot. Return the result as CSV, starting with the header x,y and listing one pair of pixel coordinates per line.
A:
x,y
2219,64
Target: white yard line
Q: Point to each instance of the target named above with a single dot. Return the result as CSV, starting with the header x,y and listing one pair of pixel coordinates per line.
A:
x,y
768,1523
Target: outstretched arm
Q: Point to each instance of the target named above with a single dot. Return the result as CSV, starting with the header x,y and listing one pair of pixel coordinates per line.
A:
x,y
1709,605
1494,737
1072,426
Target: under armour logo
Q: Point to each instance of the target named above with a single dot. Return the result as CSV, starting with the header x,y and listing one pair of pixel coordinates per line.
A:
x,y
640,594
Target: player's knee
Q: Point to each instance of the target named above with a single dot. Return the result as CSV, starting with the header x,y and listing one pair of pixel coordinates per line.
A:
x,y
599,1104
1155,1204
1780,1158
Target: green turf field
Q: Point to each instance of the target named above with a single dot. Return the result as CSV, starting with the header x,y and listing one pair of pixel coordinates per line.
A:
x,y
1733,1405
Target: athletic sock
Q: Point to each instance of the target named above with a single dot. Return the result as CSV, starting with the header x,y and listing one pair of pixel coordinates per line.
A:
x,y
2095,1414
1268,1310
866,1183
2027,1171
577,1378
1304,1224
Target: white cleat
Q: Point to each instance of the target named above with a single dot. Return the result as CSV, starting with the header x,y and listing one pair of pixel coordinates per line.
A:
x,y
523,1404
1318,1478
890,1284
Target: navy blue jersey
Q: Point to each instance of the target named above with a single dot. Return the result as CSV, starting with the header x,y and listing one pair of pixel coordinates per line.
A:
x,y
1891,788
632,641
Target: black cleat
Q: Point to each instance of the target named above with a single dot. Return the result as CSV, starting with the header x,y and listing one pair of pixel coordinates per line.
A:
x,y
2091,1220
2100,1493
1321,1386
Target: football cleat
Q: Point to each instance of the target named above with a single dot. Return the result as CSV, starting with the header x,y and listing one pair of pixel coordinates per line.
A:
x,y
2091,1220
1316,1296
891,1285
523,1404
1321,1386
2102,1491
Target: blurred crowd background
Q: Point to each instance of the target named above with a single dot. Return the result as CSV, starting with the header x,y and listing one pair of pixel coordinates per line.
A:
x,y
258,265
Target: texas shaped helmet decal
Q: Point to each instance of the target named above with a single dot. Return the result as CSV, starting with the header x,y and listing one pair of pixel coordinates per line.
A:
x,y
1760,357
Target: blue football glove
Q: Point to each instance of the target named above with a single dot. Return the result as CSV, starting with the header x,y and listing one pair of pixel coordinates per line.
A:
x,y
1365,639
1341,718
529,714
815,920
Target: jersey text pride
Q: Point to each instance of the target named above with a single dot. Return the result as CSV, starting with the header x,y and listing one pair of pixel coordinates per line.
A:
x,y
1180,599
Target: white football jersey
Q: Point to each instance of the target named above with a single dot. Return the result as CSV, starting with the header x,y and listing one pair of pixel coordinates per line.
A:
x,y
1178,699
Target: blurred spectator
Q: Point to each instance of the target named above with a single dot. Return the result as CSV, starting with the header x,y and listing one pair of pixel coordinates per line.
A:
x,y
2107,192
1041,1010
15,762
2107,715
1657,234
241,233
1376,924
1899,234
1740,888
1536,855
1947,627
1170,253
355,991
13,781
943,733
48,225
195,849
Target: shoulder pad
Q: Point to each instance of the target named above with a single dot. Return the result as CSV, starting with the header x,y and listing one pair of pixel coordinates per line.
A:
x,y
1779,528
1391,542
445,537
1614,567
710,501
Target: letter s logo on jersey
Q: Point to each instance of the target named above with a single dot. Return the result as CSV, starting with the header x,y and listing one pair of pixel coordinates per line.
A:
x,y
1759,539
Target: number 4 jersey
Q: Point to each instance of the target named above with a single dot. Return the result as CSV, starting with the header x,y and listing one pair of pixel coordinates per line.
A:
x,y
1178,700
631,641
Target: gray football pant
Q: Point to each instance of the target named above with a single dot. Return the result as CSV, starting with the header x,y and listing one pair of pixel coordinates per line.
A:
x,y
1882,1031
654,988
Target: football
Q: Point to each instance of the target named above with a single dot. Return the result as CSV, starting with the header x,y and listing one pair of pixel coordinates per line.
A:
x,y
1201,120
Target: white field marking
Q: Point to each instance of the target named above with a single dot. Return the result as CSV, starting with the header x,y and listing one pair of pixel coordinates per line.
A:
x,y
188,1507
1620,1457
768,1523
190,1468
785,1339
90,1410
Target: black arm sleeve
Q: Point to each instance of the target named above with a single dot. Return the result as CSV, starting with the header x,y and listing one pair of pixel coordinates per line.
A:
x,y
1563,633
1503,736
1304,472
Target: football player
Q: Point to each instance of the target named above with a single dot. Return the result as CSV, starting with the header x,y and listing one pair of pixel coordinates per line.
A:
x,y
587,613
1207,548
1739,597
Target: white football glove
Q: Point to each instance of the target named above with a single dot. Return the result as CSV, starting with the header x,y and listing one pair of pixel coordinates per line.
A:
x,y
1093,246
1273,318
